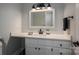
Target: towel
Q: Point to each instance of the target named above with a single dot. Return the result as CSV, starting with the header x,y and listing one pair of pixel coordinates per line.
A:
x,y
66,24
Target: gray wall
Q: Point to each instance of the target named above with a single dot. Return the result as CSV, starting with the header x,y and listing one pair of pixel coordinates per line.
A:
x,y
77,21
70,11
10,19
59,14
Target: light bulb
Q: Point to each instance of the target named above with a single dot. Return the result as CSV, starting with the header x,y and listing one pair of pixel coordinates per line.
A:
x,y
33,9
38,8
49,8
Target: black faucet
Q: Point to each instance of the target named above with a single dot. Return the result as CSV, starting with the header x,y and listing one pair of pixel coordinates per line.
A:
x,y
40,31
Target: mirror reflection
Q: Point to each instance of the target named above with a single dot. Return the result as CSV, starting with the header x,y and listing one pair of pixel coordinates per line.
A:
x,y
38,19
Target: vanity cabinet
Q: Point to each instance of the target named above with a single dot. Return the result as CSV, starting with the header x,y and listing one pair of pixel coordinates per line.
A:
x,y
41,46
0,46
0,51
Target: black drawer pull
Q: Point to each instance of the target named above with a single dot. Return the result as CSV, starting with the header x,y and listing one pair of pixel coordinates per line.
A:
x,y
60,45
61,53
35,48
51,49
38,48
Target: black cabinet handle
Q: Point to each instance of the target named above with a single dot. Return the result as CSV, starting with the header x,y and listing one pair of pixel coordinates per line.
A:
x,y
35,48
60,45
38,48
51,49
61,53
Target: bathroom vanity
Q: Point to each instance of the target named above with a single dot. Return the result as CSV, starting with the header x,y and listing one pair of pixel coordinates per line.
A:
x,y
43,44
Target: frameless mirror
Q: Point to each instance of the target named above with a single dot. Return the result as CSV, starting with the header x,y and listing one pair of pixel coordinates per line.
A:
x,y
42,19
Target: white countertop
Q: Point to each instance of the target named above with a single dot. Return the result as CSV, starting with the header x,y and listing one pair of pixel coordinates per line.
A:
x,y
36,35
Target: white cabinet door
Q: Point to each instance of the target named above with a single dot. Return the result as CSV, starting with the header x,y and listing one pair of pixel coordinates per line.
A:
x,y
31,46
29,51
35,51
0,51
32,51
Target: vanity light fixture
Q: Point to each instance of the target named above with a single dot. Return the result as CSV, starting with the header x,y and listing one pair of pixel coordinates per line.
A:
x,y
38,6
49,6
41,6
33,7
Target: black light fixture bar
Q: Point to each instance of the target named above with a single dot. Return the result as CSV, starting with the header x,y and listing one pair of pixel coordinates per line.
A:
x,y
40,5
33,6
49,5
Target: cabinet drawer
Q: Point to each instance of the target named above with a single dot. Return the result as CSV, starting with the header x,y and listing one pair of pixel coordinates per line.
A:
x,y
42,51
65,51
47,51
59,51
46,42
64,44
54,43
31,42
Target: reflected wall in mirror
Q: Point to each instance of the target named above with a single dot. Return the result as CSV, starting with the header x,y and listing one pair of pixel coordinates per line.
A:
x,y
42,19
38,19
